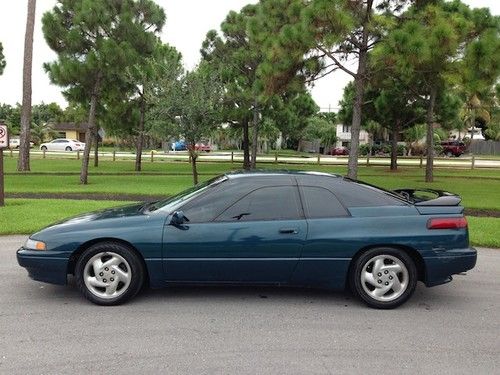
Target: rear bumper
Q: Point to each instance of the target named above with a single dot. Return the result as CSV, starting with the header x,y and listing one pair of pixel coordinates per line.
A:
x,y
441,267
43,268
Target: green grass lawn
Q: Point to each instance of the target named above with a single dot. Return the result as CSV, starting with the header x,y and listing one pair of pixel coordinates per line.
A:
x,y
478,188
25,216
484,231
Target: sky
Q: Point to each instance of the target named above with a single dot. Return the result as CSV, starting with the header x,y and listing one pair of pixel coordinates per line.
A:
x,y
187,24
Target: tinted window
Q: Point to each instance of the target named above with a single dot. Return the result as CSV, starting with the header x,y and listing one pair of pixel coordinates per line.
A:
x,y
207,207
355,194
268,203
321,203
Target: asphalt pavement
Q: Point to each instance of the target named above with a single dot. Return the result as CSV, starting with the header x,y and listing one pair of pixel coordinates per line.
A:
x,y
46,329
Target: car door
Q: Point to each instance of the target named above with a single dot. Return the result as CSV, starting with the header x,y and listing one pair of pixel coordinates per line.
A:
x,y
257,238
56,145
323,260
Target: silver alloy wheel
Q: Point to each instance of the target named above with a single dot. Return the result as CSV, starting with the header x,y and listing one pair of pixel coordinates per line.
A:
x,y
107,275
384,278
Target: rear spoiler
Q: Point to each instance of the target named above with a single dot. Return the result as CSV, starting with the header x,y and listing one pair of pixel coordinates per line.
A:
x,y
443,198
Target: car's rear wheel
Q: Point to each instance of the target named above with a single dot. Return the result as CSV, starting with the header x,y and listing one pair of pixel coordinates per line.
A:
x,y
69,149
449,154
384,278
109,273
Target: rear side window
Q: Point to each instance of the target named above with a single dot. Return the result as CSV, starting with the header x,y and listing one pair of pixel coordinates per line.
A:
x,y
354,194
267,203
320,203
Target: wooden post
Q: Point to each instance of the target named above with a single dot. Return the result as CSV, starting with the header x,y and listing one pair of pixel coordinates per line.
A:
x,y
421,160
319,159
473,162
367,160
2,191
114,155
11,153
232,157
43,153
78,155
152,156
276,157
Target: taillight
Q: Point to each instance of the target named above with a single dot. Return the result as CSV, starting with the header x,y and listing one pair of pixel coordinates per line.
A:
x,y
447,223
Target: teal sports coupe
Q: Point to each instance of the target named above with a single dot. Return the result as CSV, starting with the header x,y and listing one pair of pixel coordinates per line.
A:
x,y
262,228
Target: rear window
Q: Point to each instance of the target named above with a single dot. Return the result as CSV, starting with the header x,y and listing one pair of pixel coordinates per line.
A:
x,y
359,194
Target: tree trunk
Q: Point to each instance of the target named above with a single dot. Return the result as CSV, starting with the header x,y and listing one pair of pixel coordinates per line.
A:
x,y
23,163
140,138
193,157
246,146
429,168
255,137
359,84
89,135
96,150
394,146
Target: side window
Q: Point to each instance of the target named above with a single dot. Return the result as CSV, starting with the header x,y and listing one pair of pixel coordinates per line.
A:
x,y
321,203
210,205
267,203
353,194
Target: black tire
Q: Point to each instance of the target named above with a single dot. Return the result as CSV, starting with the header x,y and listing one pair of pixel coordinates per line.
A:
x,y
364,260
449,154
136,269
43,148
69,149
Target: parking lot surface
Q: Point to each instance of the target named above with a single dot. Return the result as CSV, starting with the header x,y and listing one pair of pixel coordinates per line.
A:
x,y
46,329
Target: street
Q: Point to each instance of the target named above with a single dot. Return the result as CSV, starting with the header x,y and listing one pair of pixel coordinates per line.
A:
x,y
453,328
226,156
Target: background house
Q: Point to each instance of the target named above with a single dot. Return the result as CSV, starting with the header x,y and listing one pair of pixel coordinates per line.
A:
x,y
71,130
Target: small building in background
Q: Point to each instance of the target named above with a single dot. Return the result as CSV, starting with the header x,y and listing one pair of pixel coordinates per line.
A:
x,y
71,130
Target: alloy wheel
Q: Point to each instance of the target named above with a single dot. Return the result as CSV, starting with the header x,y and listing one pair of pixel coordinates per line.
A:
x,y
384,278
107,275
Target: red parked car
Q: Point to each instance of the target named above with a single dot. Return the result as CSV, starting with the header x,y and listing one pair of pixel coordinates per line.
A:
x,y
205,147
453,148
339,151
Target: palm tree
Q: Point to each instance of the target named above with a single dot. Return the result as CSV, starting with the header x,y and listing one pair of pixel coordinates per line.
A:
x,y
42,132
23,163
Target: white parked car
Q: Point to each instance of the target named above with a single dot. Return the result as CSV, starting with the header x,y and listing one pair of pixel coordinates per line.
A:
x,y
63,144
16,143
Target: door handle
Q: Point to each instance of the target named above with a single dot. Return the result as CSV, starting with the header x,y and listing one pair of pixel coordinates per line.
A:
x,y
289,231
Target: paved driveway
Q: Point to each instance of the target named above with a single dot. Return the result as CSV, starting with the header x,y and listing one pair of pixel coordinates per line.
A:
x,y
454,328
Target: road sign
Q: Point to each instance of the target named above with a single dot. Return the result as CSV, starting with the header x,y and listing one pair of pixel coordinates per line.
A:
x,y
4,136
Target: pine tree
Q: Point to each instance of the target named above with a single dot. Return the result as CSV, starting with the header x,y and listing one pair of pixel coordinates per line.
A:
x,y
426,52
307,40
96,40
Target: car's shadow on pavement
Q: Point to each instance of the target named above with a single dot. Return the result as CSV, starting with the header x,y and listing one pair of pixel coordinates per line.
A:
x,y
423,298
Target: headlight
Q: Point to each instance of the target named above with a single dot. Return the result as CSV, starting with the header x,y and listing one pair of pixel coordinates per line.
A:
x,y
35,245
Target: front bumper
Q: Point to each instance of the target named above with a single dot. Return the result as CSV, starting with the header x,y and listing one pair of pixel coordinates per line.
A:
x,y
440,268
43,266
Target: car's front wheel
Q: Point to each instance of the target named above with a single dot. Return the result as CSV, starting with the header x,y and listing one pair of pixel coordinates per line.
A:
x,y
109,273
384,278
43,148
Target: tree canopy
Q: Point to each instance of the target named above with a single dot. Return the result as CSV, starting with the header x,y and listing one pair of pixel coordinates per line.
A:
x,y
95,40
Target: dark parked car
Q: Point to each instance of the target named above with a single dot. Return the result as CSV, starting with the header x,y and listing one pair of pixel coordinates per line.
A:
x,y
453,148
339,151
274,228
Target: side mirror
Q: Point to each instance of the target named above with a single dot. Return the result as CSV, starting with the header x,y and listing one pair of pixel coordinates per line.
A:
x,y
178,218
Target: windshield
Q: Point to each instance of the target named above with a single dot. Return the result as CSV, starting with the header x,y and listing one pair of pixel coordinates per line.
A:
x,y
173,203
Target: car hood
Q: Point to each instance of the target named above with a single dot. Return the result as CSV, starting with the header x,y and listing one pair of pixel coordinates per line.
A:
x,y
97,217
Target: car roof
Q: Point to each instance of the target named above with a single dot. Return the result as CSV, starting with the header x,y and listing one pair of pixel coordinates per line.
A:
x,y
278,172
